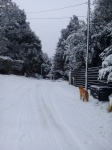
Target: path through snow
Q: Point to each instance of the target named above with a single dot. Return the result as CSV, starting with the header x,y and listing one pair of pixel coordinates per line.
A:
x,y
45,115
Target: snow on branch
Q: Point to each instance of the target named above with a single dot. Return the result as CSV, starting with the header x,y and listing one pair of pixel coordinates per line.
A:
x,y
106,52
106,69
107,61
5,58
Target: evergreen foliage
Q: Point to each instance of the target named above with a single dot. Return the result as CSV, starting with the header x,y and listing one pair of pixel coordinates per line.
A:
x,y
46,65
102,36
71,48
101,29
5,65
17,40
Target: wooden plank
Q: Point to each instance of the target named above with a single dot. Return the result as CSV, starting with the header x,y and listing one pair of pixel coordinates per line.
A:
x,y
79,77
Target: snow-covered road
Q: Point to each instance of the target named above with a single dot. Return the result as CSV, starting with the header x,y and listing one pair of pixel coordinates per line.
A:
x,y
45,115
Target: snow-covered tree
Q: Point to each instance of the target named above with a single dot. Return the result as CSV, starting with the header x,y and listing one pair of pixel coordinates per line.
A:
x,y
106,70
46,65
17,67
71,47
5,65
102,13
17,39
76,48
101,29
102,37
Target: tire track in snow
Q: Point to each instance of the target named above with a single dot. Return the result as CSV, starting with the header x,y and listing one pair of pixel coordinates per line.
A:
x,y
30,137
10,87
22,131
32,119
12,120
86,126
36,110
48,133
9,122
4,98
64,135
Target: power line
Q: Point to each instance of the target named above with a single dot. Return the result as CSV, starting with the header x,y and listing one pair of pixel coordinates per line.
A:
x,y
54,18
43,11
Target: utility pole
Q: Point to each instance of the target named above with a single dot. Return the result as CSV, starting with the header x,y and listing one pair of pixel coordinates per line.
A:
x,y
88,37
41,69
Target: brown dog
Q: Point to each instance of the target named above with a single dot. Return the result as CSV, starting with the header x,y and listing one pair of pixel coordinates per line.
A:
x,y
84,95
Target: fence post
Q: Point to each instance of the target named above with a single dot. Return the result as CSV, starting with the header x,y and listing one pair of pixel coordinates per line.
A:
x,y
73,80
69,77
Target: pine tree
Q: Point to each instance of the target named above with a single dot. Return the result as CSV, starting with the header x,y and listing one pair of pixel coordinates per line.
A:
x,y
101,29
46,65
17,39
71,47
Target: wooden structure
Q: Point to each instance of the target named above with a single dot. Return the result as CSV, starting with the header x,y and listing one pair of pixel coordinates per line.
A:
x,y
99,89
79,77
100,92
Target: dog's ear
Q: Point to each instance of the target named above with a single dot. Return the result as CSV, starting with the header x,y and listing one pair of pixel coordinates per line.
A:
x,y
80,87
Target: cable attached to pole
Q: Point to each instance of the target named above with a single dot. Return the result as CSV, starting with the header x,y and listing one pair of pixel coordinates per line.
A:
x,y
43,11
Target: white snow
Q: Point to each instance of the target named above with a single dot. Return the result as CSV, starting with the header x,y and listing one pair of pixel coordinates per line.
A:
x,y
104,71
5,58
106,52
109,77
45,115
106,68
107,61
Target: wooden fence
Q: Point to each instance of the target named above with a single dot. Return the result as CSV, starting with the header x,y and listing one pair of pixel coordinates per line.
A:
x,y
79,77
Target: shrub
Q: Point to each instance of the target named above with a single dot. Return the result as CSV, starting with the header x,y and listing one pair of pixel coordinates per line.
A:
x,y
5,65
18,67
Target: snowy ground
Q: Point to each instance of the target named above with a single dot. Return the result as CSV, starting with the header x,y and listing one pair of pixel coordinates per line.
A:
x,y
45,115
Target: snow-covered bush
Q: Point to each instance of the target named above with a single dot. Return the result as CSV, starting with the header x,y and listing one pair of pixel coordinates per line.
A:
x,y
5,65
110,77
106,70
106,52
18,67
107,61
58,74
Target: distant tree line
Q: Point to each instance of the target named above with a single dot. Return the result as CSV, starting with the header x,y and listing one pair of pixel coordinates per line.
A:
x,y
19,42
70,53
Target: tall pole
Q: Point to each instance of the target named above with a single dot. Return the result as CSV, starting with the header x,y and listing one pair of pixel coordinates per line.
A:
x,y
41,69
88,28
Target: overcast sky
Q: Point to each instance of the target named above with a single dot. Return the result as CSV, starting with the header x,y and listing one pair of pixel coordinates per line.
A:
x,y
48,30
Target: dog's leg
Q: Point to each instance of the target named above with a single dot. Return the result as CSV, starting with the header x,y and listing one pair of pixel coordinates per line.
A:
x,y
83,98
87,97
